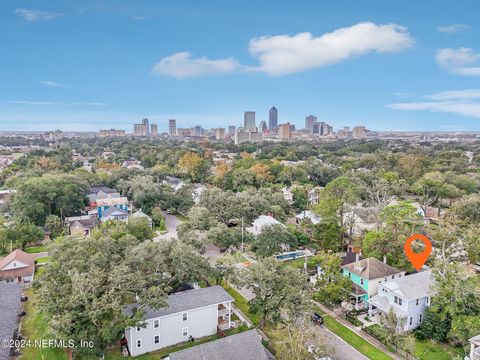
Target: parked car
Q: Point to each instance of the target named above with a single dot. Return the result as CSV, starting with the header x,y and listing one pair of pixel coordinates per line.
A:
x,y
317,319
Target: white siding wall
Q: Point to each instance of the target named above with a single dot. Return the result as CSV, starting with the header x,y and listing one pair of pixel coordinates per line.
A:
x,y
201,322
15,264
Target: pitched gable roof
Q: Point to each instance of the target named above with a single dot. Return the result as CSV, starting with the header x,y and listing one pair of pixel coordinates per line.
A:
x,y
371,268
22,257
414,286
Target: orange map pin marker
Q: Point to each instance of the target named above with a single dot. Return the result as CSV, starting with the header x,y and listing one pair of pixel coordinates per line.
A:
x,y
417,259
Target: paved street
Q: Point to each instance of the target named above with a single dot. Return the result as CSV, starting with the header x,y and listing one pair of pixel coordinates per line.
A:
x,y
171,222
343,351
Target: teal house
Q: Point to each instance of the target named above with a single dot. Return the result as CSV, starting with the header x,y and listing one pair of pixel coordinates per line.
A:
x,y
366,274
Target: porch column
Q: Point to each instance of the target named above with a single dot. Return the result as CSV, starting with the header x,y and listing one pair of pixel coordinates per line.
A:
x,y
229,314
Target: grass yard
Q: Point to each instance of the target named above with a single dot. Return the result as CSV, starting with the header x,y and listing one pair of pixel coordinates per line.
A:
x,y
242,304
42,260
35,249
353,339
430,350
34,326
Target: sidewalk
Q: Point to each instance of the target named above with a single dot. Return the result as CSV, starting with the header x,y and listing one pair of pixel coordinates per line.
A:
x,y
358,331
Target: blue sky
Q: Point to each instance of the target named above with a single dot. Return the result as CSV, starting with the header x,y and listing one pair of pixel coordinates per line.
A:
x,y
390,65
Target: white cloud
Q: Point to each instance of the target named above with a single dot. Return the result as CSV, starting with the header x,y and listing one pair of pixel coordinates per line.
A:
x,y
36,15
138,18
461,61
451,29
458,102
284,54
182,65
455,95
50,83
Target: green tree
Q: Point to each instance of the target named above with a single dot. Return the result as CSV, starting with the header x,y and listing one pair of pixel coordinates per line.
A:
x,y
54,224
273,239
332,287
278,289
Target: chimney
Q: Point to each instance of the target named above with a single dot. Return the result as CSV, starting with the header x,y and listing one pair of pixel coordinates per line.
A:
x,y
385,259
357,257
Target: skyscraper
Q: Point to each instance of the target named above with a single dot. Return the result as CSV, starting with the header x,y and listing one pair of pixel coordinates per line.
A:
x,y
249,121
231,130
273,119
309,121
145,122
154,129
284,131
172,127
140,130
220,133
262,126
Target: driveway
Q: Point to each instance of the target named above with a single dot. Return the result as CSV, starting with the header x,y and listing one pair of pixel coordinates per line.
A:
x,y
343,351
171,223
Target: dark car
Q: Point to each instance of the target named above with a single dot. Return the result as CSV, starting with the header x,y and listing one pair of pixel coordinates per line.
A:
x,y
317,319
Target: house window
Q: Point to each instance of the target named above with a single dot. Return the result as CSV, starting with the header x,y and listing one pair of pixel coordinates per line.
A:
x,y
428,301
361,281
400,301
416,302
393,276
385,279
156,339
395,299
411,321
184,317
139,343
185,331
420,318
138,328
156,323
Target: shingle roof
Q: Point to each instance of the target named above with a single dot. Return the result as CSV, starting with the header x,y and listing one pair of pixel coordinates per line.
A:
x,y
187,300
114,211
243,346
9,309
414,286
371,268
21,256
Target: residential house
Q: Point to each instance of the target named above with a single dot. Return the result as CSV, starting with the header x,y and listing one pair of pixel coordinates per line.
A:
x,y
132,164
141,215
82,226
366,275
111,202
474,348
192,313
115,213
261,222
197,192
407,296
246,345
174,182
287,195
359,219
314,195
307,215
100,192
10,307
17,267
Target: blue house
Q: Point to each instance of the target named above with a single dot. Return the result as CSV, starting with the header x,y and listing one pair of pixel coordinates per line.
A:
x,y
111,202
366,275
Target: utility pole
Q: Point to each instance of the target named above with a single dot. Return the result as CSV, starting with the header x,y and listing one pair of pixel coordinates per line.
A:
x,y
242,235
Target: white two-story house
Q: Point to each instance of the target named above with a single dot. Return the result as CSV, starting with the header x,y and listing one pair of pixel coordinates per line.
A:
x,y
17,267
192,313
408,296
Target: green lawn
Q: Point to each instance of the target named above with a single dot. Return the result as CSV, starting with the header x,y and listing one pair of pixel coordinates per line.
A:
x,y
35,249
42,260
242,304
34,326
353,339
429,350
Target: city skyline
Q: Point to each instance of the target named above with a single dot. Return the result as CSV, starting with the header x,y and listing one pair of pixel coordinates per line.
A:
x,y
389,67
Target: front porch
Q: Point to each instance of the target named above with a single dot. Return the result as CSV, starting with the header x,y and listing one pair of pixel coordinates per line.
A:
x,y
358,299
225,316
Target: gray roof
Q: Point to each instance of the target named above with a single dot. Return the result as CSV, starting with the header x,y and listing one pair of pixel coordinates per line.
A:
x,y
187,300
414,286
114,211
9,309
371,268
243,346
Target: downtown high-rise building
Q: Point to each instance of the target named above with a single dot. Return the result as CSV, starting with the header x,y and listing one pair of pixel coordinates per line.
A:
x,y
231,130
172,127
273,119
262,126
140,129
220,133
147,126
310,120
249,121
154,129
284,131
